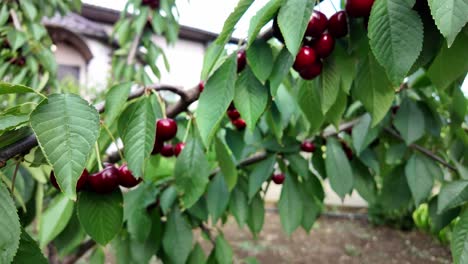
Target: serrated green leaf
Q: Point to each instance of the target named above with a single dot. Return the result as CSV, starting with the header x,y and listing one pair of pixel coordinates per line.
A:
x,y
11,231
261,18
283,64
364,182
250,98
168,197
452,194
215,99
136,202
101,215
66,128
137,128
450,16
309,102
345,66
337,110
28,251
8,122
55,219
223,253
373,89
290,205
226,163
260,59
191,173
338,168
238,206
115,101
420,174
329,87
363,134
217,197
256,215
260,174
459,244
395,37
177,241
9,88
409,121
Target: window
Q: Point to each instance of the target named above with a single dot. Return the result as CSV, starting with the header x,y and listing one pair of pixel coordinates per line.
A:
x,y
68,71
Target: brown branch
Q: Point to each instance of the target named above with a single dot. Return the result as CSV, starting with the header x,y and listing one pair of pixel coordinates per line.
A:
x,y
331,130
421,149
85,247
52,254
15,19
207,232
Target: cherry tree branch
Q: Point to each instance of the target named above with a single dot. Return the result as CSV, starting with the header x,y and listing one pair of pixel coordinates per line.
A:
x,y
85,247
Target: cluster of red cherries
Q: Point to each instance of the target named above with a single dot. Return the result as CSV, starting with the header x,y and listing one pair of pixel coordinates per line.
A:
x,y
166,129
105,181
235,117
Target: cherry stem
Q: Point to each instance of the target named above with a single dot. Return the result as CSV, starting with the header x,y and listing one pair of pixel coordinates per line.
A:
x,y
113,140
331,1
189,124
161,103
13,180
98,156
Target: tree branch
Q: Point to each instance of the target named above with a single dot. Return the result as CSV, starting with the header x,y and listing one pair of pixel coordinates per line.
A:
x,y
85,247
207,232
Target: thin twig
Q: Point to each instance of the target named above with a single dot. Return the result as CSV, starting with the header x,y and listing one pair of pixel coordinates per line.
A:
x,y
15,19
207,232
85,247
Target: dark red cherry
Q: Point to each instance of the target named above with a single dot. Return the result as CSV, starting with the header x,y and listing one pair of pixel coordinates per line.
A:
x,y
165,129
105,181
305,57
201,86
278,178
317,24
154,4
178,148
241,60
338,24
308,146
79,185
167,150
233,114
324,45
359,8
126,178
239,124
157,147
312,71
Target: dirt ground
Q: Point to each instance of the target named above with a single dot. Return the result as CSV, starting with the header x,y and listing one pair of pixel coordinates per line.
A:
x,y
334,240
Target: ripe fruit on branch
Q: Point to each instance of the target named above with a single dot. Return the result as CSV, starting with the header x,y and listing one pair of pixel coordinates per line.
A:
x,y
241,60
79,185
324,45
201,86
338,24
311,71
157,147
308,146
154,4
105,181
359,8
239,124
317,24
305,57
126,178
167,150
178,148
165,129
233,114
278,178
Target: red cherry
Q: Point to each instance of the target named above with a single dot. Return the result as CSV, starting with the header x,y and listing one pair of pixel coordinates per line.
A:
x,y
308,146
105,181
178,148
154,4
233,114
324,45
305,57
239,124
201,86
241,60
311,71
167,150
126,178
278,178
79,185
359,8
338,24
157,147
231,106
317,24
165,129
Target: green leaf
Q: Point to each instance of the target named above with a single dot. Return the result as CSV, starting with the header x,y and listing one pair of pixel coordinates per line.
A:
x,y
260,59
338,168
309,102
10,232
363,134
459,244
256,215
115,101
217,197
290,205
9,88
177,241
29,9
450,64
337,110
345,66
260,174
329,87
168,197
395,193
215,99
261,18
226,163
250,98
197,255
293,18
8,122
439,221
283,64
223,253
238,206
16,38
101,215
28,251
191,173
312,207
450,17
66,128
395,37
409,121
98,256
55,219
364,182
136,202
452,194
420,174
373,89
137,129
